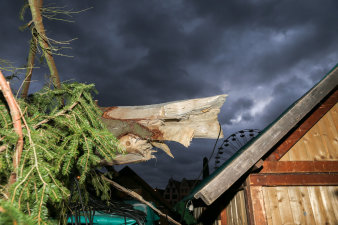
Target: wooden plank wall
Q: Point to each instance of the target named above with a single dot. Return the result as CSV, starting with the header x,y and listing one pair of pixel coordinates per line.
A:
x,y
320,143
236,210
313,205
233,214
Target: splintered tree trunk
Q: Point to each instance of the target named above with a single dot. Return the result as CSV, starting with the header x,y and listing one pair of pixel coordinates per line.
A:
x,y
140,128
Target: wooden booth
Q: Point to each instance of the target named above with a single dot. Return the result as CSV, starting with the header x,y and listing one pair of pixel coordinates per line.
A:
x,y
289,173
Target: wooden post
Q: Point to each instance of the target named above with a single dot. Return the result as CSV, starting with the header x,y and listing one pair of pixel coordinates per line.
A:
x,y
224,217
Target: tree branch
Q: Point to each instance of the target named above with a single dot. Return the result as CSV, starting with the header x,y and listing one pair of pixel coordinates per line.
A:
x,y
15,114
35,7
30,65
60,113
138,197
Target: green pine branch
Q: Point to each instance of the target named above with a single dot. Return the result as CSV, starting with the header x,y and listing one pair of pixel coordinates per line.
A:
x,y
63,138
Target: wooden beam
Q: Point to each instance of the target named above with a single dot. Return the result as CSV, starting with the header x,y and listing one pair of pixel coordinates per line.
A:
x,y
267,140
296,179
296,135
299,166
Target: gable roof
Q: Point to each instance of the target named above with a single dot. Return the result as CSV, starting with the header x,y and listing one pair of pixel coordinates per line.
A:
x,y
223,178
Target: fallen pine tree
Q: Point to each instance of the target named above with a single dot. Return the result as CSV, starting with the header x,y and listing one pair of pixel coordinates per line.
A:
x,y
55,135
59,134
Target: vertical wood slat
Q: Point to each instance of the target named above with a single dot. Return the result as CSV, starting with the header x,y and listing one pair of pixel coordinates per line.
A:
x,y
284,205
333,195
267,206
334,115
259,214
272,193
317,205
306,205
329,132
296,205
243,217
299,209
237,208
235,212
229,214
328,206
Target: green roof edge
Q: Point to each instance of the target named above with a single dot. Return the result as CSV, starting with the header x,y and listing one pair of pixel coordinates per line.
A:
x,y
245,147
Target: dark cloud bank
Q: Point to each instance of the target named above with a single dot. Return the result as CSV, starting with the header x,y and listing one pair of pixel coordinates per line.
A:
x,y
263,54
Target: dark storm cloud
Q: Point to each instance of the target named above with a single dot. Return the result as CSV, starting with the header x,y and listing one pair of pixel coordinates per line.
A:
x,y
235,106
263,54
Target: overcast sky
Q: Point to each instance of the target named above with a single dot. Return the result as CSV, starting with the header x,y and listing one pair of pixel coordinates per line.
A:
x,y
264,54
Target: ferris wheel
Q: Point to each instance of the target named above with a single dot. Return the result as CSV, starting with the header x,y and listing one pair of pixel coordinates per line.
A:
x,y
232,144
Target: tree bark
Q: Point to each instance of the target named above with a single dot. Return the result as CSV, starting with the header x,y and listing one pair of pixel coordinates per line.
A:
x,y
16,118
140,198
35,7
140,128
30,65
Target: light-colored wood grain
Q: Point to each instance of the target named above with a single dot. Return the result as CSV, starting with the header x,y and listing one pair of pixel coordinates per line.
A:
x,y
296,205
329,123
299,152
334,114
306,205
308,146
236,214
319,143
244,218
229,214
303,154
317,147
272,192
240,208
284,205
231,218
327,204
267,206
317,205
333,196
286,157
326,136
312,205
294,152
306,155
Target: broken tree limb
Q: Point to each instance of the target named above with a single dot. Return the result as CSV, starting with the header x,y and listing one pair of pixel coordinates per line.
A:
x,y
16,118
138,197
140,128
